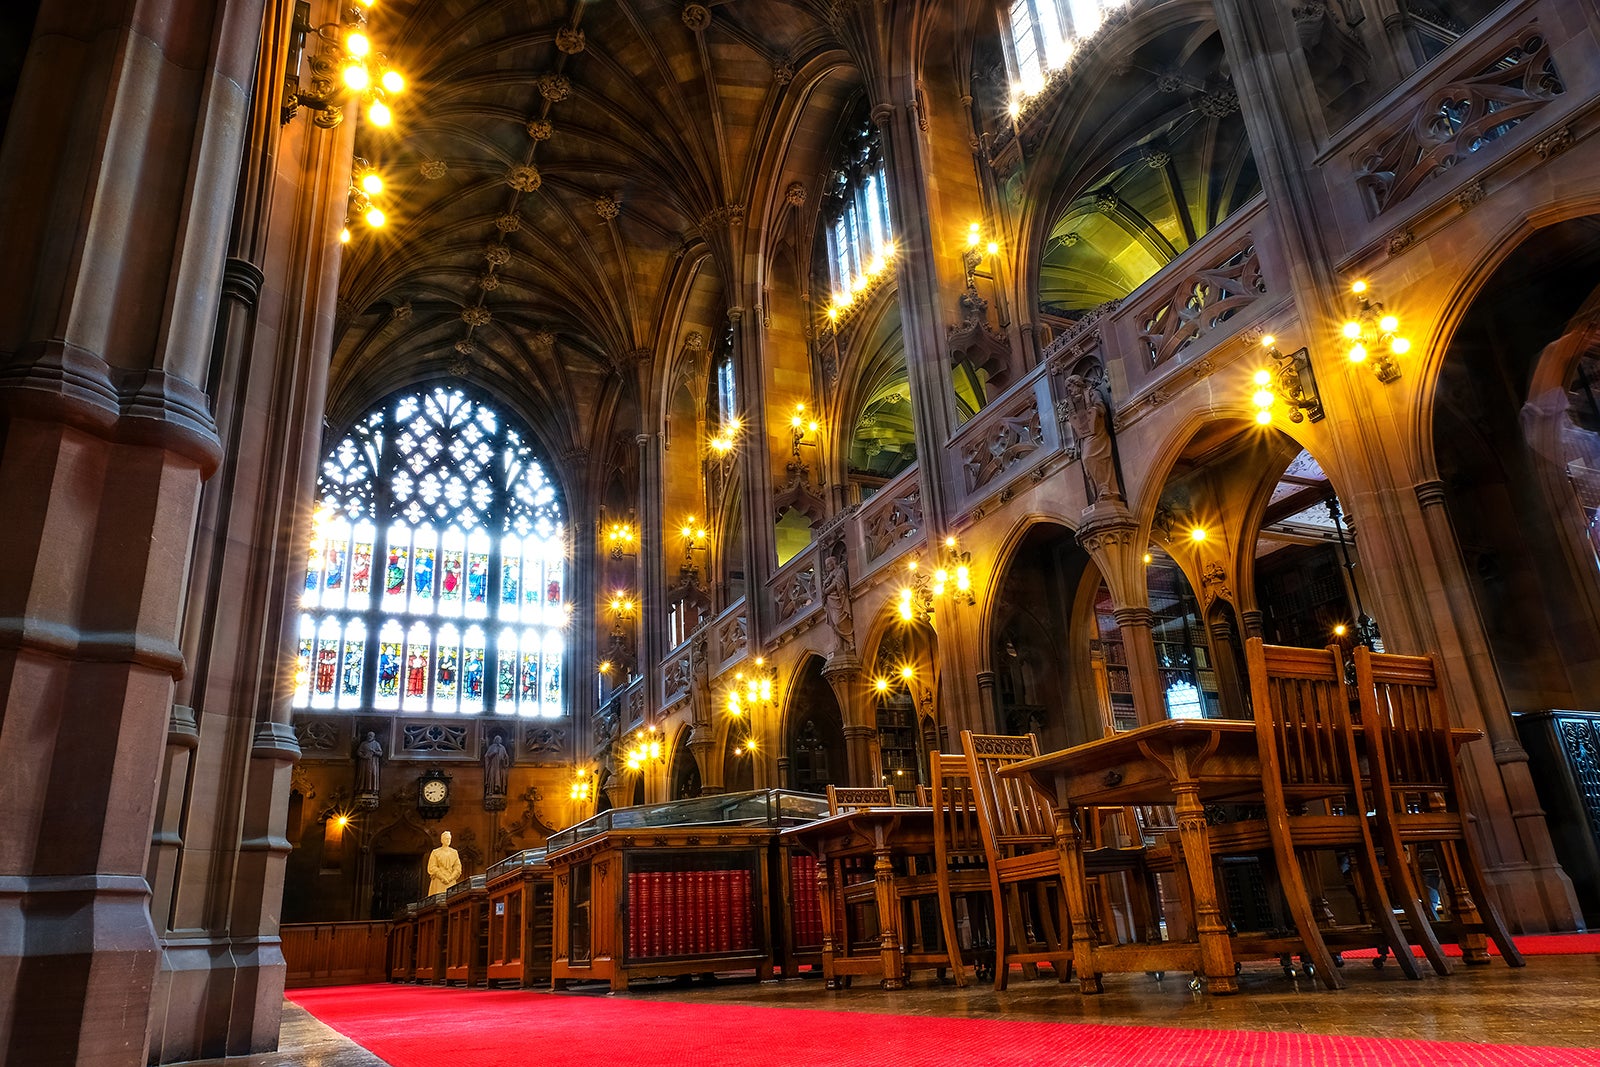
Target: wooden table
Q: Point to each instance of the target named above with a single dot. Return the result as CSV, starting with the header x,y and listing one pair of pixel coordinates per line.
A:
x,y
886,834
1187,763
521,917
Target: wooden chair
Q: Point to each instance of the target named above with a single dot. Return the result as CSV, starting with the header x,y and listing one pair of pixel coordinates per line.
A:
x,y
1312,802
1019,839
957,872
1418,797
851,798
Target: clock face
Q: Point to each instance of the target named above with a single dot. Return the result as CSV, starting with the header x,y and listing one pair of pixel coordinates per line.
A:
x,y
434,791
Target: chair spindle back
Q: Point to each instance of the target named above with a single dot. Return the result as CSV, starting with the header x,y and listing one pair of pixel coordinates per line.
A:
x,y
1302,719
1013,817
853,798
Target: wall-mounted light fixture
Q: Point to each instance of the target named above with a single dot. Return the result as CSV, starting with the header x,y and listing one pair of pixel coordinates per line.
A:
x,y
346,67
621,537
1288,380
1373,336
801,423
582,785
977,249
644,748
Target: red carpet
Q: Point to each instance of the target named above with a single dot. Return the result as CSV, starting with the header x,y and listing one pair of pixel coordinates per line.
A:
x,y
412,1026
1541,945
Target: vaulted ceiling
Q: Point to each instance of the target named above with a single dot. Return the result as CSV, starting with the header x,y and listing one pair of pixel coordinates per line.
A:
x,y
563,177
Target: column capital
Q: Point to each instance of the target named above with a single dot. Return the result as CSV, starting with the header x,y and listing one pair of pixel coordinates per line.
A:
x,y
1134,616
1430,494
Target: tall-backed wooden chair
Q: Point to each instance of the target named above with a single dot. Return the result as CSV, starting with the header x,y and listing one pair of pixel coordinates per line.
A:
x,y
850,797
1018,828
956,876
1419,801
1313,801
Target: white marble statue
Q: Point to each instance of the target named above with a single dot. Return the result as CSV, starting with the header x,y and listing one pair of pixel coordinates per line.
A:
x,y
444,866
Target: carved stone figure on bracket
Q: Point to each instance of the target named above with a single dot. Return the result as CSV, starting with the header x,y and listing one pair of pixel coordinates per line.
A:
x,y
495,761
444,866
836,600
369,756
1091,425
700,681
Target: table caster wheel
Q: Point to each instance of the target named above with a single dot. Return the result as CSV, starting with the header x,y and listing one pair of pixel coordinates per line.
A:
x,y
1196,984
1157,975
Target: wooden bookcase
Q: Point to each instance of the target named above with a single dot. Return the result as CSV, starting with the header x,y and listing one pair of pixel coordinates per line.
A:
x,y
521,918
430,939
403,945
690,887
466,932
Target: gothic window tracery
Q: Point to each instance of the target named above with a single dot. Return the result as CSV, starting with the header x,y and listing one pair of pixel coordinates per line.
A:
x,y
856,219
437,566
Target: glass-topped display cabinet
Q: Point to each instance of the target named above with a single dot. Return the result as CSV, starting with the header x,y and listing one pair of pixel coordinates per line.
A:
x,y
680,888
755,807
528,857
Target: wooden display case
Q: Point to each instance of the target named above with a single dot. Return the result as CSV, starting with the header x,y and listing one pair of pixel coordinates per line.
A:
x,y
466,932
521,916
430,939
403,946
681,888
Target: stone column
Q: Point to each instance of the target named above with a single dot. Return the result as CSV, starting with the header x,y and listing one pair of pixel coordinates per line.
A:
x,y
1227,661
988,700
117,179
584,655
843,673
1111,536
652,581
1548,892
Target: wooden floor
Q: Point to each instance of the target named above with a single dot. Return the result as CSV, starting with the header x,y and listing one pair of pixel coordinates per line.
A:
x,y
1553,1001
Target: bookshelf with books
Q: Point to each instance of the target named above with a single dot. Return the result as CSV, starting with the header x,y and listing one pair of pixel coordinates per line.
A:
x,y
1118,691
671,889
521,914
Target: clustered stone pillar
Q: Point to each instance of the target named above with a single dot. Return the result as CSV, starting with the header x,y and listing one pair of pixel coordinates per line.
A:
x,y
117,181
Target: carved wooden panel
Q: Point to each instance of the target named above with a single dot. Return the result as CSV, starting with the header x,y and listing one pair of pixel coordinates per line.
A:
x,y
1203,299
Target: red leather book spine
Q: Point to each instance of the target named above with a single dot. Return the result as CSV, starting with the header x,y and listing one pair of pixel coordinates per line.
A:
x,y
698,909
722,907
741,911
657,913
676,921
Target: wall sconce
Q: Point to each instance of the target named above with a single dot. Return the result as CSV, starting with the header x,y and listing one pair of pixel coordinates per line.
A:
x,y
366,184
622,538
694,539
977,248
622,605
954,572
347,66
1289,379
645,748
800,424
753,689
1374,334
916,595
722,443
582,786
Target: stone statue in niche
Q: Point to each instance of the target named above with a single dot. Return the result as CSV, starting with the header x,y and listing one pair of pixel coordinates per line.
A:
x,y
444,866
1090,417
700,681
495,761
836,601
369,755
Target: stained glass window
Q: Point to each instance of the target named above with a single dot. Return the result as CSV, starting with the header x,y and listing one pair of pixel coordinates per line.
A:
x,y
438,556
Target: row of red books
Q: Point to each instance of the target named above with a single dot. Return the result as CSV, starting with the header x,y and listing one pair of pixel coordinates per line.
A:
x,y
689,913
807,918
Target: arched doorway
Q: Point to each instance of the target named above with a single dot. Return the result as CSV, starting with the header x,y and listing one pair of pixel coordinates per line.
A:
x,y
1044,647
685,771
1516,437
813,745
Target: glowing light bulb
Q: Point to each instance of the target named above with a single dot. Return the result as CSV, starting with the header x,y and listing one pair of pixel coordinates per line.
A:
x,y
357,44
1358,353
973,236
963,579
993,247
379,113
1399,346
1197,534
906,672
812,426
1014,108
1263,398
1352,330
1389,324
371,183
356,77
881,684
344,236
376,218
1147,557
876,266
1339,630
1358,288
833,314
1264,416
1263,377
1268,341
392,81
842,298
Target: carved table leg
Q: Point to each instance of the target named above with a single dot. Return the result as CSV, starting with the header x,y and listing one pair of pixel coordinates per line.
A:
x,y
829,915
1069,849
1216,951
888,916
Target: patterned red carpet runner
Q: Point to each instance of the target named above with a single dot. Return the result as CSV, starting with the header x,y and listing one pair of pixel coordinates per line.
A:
x,y
411,1026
